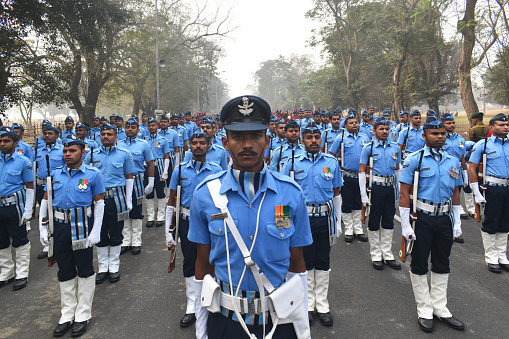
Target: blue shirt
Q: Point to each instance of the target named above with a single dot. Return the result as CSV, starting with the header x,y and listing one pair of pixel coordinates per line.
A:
x,y
68,194
393,135
386,155
367,129
401,126
171,137
140,150
25,149
497,155
275,142
455,145
316,178
272,249
353,144
114,163
191,127
216,155
182,134
95,134
283,154
414,141
66,132
158,145
121,134
15,170
56,159
436,181
41,144
328,136
89,144
189,179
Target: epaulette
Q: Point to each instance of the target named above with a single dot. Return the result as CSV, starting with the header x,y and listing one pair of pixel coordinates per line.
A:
x,y
210,177
285,178
92,168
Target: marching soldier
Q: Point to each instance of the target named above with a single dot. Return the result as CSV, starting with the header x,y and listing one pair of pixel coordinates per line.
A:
x,y
69,127
387,116
161,152
288,151
495,226
411,139
144,125
95,132
16,200
188,175
317,119
141,153
22,147
325,120
119,122
319,176
438,222
215,154
478,131
81,132
188,124
117,167
277,141
75,187
366,126
403,122
384,159
268,228
181,132
330,134
173,140
352,143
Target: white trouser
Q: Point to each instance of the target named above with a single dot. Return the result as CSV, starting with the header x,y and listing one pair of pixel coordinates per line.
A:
x,y
422,297
469,202
386,243
321,291
86,290
22,261
357,224
374,245
348,222
114,259
190,295
6,264
438,294
151,212
161,209
137,227
490,249
68,300
311,290
127,232
103,259
501,246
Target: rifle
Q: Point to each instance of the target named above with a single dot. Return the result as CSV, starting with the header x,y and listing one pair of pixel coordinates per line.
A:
x,y
479,209
35,176
365,209
49,190
172,249
92,156
326,149
292,171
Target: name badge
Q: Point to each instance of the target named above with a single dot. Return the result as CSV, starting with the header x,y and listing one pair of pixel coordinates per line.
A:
x,y
299,172
218,216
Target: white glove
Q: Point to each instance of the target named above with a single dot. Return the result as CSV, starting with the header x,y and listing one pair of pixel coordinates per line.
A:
x,y
398,174
169,224
456,212
164,176
129,184
479,199
201,313
466,179
362,186
27,213
337,212
150,186
95,235
406,229
177,159
43,230
304,279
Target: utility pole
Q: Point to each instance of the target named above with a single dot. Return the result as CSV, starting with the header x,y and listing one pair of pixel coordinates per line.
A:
x,y
157,59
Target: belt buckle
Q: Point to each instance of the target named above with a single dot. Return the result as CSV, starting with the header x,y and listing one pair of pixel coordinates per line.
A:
x,y
251,306
437,208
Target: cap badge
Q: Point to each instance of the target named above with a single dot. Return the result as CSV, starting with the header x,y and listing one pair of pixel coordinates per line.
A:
x,y
245,109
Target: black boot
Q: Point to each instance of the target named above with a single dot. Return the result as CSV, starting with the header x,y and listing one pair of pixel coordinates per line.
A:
x,y
79,328
62,329
187,320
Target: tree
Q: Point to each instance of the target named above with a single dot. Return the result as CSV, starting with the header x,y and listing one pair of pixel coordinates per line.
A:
x,y
497,78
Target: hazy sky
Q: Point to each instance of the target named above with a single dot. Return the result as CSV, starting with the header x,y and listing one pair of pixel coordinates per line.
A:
x,y
266,29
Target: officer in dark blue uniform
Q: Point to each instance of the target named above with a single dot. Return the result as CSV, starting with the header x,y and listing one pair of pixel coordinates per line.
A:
x,y
438,222
117,168
386,169
188,175
75,187
15,210
319,176
268,213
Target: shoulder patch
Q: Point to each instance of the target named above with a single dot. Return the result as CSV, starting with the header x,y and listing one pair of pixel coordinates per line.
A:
x,y
210,177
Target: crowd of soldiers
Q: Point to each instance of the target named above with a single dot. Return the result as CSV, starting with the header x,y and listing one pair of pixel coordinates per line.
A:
x,y
256,199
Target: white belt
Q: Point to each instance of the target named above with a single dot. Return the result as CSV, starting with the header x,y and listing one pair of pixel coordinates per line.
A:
x,y
318,209
40,181
7,200
350,174
185,211
383,180
243,305
433,208
495,180
65,215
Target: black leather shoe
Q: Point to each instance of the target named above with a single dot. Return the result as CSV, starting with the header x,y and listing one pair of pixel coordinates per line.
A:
x,y
378,265
62,329
150,223
471,215
325,319
5,282
453,323
349,238
42,255
20,284
187,320
425,324
393,264
464,216
159,223
505,267
79,328
459,240
362,237
136,250
311,317
114,277
495,268
101,277
124,249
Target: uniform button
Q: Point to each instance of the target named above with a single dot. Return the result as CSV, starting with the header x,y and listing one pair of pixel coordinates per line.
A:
x,y
219,231
67,203
250,206
251,237
282,235
67,190
315,186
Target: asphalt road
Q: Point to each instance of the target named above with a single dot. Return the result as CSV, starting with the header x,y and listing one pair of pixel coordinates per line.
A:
x,y
148,302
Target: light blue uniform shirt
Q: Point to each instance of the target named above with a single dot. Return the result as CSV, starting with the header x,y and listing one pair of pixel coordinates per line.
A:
x,y
182,134
316,178
56,159
272,248
304,122
455,145
393,136
329,135
400,127
275,142
67,193
158,145
121,134
216,155
95,134
353,145
436,181
15,170
497,154
367,129
41,144
283,154
66,132
140,151
189,179
414,141
171,137
89,144
191,127
386,155
25,149
114,163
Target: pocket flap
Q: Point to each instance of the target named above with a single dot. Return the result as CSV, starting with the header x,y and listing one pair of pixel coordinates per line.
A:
x,y
209,289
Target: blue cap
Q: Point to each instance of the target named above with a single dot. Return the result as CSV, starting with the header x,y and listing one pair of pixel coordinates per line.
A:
x,y
381,121
324,112
281,121
106,126
308,109
18,126
132,121
387,112
432,123
50,128
96,116
350,116
198,134
69,119
71,140
339,109
142,114
365,113
431,113
6,131
274,119
119,117
311,128
164,117
187,113
103,118
499,117
205,120
371,107
403,113
181,115
151,120
334,114
135,117
112,116
352,111
415,113
45,123
246,113
80,125
447,117
174,115
301,110
316,112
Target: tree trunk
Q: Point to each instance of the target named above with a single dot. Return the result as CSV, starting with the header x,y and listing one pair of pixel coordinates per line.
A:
x,y
137,102
467,29
433,104
397,92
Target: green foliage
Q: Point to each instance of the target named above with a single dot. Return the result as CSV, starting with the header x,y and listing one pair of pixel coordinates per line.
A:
x,y
497,78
